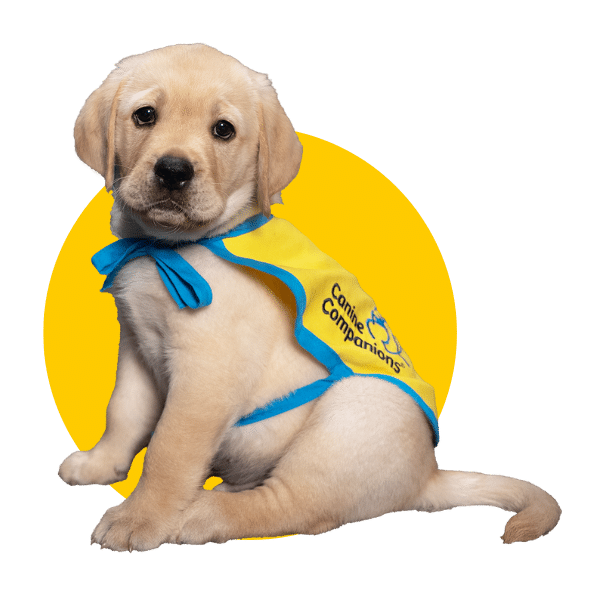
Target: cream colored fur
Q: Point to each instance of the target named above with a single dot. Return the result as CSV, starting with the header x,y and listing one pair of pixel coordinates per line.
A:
x,y
363,449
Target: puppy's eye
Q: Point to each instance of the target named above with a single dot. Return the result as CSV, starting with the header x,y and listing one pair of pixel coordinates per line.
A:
x,y
144,116
223,130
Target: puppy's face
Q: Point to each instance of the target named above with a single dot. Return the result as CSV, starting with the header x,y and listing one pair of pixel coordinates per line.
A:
x,y
188,138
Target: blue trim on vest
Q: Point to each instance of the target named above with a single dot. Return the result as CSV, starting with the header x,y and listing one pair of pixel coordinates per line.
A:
x,y
297,398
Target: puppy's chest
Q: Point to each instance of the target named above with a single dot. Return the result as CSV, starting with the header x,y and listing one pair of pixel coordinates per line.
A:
x,y
144,306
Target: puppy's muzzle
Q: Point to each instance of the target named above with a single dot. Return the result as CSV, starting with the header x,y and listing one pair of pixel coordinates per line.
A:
x,y
173,173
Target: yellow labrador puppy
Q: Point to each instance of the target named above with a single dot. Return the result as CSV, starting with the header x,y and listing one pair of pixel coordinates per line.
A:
x,y
193,144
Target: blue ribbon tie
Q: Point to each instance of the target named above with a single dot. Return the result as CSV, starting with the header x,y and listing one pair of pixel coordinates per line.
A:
x,y
187,287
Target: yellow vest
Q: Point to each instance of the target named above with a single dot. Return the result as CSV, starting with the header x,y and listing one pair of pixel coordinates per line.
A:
x,y
336,321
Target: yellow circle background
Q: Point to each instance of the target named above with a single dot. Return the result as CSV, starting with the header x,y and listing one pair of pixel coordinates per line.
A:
x,y
344,205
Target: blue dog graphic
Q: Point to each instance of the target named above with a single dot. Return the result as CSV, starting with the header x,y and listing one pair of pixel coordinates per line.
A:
x,y
375,324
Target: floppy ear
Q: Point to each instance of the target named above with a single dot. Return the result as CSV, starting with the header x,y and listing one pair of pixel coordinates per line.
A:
x,y
95,125
279,149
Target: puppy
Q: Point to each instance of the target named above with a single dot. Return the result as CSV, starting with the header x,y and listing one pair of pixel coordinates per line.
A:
x,y
196,148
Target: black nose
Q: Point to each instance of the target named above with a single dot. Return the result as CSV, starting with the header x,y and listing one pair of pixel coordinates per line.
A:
x,y
173,172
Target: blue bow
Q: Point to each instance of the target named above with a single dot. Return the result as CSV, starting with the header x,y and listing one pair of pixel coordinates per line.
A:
x,y
185,284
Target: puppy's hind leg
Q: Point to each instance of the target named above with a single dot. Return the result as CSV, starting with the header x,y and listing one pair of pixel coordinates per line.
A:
x,y
133,411
366,450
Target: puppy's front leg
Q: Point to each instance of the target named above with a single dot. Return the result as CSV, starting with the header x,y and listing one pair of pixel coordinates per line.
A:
x,y
196,414
132,413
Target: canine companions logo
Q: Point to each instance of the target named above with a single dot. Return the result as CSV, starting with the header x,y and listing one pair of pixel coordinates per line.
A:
x,y
376,326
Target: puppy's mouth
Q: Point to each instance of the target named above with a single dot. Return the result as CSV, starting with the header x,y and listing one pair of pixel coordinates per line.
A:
x,y
170,213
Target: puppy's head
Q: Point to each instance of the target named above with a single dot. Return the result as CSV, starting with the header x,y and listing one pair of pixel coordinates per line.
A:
x,y
190,141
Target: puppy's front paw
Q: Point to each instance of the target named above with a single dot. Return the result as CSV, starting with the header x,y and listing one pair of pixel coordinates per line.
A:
x,y
84,468
126,527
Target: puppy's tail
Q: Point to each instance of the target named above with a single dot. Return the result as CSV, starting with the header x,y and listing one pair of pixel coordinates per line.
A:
x,y
537,512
